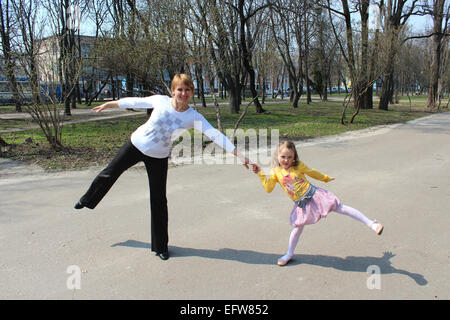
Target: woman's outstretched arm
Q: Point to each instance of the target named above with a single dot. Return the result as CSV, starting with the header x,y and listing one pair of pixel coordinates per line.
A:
x,y
107,105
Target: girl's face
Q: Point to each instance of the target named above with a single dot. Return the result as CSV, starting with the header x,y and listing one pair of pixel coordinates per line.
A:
x,y
182,93
285,158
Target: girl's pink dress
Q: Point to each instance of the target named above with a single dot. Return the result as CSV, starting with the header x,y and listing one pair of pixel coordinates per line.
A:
x,y
316,208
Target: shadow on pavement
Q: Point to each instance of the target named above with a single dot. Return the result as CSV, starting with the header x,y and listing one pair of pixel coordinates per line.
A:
x,y
349,264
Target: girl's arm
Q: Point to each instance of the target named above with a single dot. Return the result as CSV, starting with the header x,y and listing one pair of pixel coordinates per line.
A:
x,y
268,182
313,173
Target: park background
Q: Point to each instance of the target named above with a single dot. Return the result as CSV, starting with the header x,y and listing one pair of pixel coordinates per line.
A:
x,y
305,68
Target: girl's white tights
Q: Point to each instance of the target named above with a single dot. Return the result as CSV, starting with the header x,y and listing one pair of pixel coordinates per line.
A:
x,y
343,209
355,214
293,240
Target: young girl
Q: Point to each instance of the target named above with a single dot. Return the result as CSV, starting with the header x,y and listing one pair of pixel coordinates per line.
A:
x,y
310,203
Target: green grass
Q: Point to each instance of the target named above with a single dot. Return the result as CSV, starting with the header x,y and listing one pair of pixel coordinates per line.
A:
x,y
94,143
11,108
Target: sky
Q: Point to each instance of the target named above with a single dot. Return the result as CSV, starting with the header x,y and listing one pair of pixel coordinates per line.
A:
x,y
418,24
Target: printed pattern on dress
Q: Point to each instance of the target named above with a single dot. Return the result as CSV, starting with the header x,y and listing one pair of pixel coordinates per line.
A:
x,y
292,185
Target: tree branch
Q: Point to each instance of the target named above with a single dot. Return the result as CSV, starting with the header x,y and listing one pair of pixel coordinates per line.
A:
x,y
426,36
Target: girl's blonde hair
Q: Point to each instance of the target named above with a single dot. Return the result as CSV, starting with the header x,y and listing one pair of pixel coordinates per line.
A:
x,y
289,145
184,79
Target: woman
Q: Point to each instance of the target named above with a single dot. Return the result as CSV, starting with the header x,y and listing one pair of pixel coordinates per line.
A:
x,y
151,143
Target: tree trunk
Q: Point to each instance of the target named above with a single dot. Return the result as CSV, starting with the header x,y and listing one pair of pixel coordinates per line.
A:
x,y
198,70
395,18
5,26
235,98
324,90
246,57
433,94
372,77
387,91
365,100
64,57
129,85
308,85
35,86
296,98
13,84
263,99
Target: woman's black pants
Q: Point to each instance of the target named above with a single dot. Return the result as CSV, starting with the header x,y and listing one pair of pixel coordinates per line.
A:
x,y
128,156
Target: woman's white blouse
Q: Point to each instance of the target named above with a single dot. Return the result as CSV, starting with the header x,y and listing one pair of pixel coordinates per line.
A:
x,y
155,137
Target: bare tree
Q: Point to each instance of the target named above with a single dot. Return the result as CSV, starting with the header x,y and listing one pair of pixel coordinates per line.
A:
x,y
287,32
247,10
267,61
6,32
67,54
220,23
157,27
325,50
396,15
64,24
349,50
47,113
96,11
441,16
307,37
26,12
198,55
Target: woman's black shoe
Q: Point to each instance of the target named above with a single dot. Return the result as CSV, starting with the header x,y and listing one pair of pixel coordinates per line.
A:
x,y
163,255
78,205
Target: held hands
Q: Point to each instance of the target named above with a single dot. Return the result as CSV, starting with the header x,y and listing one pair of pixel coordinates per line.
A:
x,y
255,167
247,162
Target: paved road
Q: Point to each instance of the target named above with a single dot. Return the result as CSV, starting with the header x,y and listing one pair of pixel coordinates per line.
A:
x,y
226,233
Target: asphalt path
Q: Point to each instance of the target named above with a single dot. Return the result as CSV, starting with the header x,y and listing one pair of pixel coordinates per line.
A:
x,y
226,232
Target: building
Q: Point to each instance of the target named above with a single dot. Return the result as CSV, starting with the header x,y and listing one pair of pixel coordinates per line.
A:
x,y
91,77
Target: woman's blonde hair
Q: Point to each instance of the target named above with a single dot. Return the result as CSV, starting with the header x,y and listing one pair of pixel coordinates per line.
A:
x,y
184,79
289,145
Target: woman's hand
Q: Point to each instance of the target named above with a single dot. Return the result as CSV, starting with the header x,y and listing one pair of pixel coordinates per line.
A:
x,y
245,161
256,168
108,105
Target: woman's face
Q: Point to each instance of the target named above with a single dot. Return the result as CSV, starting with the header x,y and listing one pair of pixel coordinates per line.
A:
x,y
285,158
182,93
